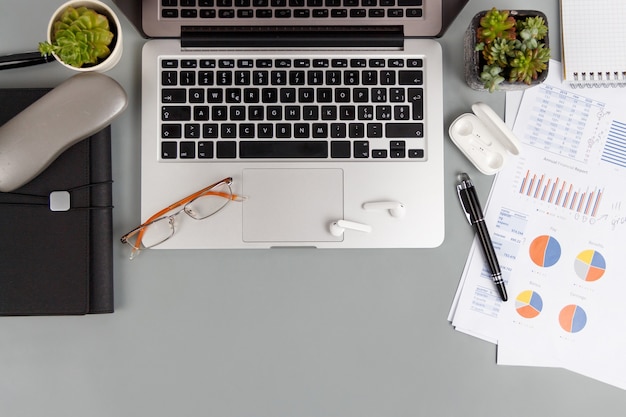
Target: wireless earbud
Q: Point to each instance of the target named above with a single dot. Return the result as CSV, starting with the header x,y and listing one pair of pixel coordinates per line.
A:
x,y
337,228
396,208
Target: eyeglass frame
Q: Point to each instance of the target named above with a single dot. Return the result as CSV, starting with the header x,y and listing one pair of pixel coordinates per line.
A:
x,y
160,215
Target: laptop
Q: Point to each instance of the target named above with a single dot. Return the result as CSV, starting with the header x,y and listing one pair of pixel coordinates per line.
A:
x,y
327,114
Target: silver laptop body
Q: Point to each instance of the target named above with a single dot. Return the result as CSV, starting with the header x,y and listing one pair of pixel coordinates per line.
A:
x,y
319,125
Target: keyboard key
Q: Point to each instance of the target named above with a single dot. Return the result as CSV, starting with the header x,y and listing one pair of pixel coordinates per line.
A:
x,y
226,149
415,96
226,14
169,150
263,13
188,63
208,14
319,130
414,12
188,14
201,113
340,149
283,149
356,130
175,113
410,77
374,130
169,13
397,149
169,78
265,131
169,63
228,130
361,149
188,150
210,130
207,63
356,13
171,131
404,130
338,130
205,149
192,131
173,95
416,153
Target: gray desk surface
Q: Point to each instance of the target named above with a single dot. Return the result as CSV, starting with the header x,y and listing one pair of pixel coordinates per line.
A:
x,y
293,333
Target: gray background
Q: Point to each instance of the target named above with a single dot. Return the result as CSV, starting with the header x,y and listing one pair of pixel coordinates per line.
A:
x,y
273,333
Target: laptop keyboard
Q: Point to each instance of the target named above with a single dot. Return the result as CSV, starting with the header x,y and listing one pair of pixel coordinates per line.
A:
x,y
301,9
357,108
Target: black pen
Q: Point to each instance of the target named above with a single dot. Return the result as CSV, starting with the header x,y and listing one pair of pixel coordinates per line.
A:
x,y
475,216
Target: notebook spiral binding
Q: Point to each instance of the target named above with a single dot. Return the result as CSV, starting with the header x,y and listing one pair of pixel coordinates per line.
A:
x,y
599,79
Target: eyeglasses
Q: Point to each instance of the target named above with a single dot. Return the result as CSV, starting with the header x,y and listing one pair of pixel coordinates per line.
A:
x,y
199,205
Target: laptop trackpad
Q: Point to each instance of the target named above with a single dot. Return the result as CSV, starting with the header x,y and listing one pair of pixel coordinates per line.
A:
x,y
291,205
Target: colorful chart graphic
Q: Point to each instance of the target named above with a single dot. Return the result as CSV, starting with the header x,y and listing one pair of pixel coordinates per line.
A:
x,y
590,265
528,304
572,318
545,251
562,193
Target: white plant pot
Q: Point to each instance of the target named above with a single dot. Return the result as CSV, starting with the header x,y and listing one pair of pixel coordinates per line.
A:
x,y
115,27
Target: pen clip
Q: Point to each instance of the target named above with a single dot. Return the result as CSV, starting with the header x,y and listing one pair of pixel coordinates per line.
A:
x,y
461,191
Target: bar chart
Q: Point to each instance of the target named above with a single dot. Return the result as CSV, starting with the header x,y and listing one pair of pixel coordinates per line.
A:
x,y
562,193
615,148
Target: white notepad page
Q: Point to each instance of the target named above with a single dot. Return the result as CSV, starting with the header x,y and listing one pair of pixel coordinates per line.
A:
x,y
594,42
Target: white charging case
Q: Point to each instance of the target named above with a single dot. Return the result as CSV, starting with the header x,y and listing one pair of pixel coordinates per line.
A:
x,y
484,138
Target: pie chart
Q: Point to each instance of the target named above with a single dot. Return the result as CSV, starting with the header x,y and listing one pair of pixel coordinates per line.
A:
x,y
545,251
572,318
528,304
590,265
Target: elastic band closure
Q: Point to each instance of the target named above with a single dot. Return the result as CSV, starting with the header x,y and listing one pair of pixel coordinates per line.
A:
x,y
58,200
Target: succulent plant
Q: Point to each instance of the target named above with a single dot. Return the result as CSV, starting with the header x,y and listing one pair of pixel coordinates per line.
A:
x,y
527,64
496,24
81,36
512,48
491,77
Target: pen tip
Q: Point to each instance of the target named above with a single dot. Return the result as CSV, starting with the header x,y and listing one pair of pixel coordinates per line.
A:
x,y
463,177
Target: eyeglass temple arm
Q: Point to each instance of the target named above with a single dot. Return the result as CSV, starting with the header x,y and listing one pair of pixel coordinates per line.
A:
x,y
205,190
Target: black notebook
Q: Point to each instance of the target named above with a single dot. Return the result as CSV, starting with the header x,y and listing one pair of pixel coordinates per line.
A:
x,y
58,262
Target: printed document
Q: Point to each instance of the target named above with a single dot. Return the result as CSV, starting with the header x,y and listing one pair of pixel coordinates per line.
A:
x,y
557,218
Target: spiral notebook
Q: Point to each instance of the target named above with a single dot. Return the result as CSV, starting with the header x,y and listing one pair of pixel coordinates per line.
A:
x,y
594,35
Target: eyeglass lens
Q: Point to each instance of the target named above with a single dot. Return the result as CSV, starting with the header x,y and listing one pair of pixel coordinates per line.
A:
x,y
210,202
200,208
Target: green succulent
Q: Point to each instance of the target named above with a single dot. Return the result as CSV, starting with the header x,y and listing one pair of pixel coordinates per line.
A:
x,y
511,49
536,25
500,51
531,31
526,65
491,77
496,24
81,36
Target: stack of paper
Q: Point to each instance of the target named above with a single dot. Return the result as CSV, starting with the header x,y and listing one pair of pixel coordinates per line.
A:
x,y
557,216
